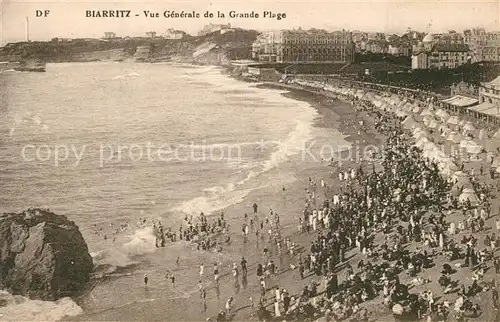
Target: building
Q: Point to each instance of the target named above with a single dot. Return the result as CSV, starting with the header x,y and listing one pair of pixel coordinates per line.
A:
x,y
450,38
464,89
398,49
375,46
485,46
419,60
448,56
211,28
174,34
109,35
151,34
304,46
489,92
439,53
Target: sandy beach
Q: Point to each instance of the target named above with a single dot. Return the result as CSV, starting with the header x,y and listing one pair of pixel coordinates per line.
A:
x,y
338,118
334,114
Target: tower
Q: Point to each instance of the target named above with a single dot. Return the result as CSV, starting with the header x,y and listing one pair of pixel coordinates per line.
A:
x,y
27,31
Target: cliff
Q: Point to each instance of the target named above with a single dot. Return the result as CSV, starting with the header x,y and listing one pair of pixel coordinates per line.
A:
x,y
42,255
234,44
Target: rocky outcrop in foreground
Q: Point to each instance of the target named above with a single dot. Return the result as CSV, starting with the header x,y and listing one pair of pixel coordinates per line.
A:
x,y
42,255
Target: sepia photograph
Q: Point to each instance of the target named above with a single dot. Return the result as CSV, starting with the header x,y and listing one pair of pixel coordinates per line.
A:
x,y
229,160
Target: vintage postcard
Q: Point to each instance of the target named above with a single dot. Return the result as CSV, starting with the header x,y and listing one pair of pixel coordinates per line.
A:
x,y
249,160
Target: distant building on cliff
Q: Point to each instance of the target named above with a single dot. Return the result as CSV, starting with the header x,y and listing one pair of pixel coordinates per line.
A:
x,y
151,34
485,46
211,28
304,46
174,34
109,35
440,52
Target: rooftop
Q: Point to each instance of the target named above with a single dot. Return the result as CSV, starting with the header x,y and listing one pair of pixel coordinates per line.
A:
x,y
493,84
451,48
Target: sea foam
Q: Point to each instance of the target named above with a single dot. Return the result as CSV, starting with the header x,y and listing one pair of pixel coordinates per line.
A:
x,y
220,197
141,242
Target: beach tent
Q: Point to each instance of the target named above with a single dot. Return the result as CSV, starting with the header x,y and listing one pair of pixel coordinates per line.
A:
x,y
470,146
416,109
370,96
461,184
426,112
453,120
433,124
408,106
468,194
427,120
422,142
469,127
398,113
462,123
497,134
454,137
445,116
460,176
419,135
409,122
439,112
443,127
482,134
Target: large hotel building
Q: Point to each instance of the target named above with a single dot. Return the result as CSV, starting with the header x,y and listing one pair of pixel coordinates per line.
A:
x,y
304,46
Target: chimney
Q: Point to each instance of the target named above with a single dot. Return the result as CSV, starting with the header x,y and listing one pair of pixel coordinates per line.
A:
x,y
27,30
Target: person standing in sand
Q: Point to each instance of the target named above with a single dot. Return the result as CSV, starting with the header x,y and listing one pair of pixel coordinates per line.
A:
x,y
277,312
255,208
204,298
202,269
216,273
229,305
146,280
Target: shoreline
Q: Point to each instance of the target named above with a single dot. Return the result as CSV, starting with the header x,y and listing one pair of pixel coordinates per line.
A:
x,y
332,115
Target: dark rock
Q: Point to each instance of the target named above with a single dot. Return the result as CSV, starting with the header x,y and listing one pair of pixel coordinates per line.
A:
x,y
42,255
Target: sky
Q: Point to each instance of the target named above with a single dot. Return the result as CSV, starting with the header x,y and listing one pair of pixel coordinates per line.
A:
x,y
67,19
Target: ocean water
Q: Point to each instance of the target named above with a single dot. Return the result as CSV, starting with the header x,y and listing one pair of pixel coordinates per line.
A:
x,y
110,143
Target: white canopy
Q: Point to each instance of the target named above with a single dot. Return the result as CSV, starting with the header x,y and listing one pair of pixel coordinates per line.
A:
x,y
454,137
426,112
453,120
470,146
468,194
409,122
469,126
416,109
482,134
433,124
444,116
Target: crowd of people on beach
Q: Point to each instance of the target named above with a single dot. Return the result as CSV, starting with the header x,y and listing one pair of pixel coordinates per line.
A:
x,y
386,239
406,203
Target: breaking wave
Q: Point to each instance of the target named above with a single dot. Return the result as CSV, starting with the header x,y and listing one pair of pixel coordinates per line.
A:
x,y
125,76
220,197
141,242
